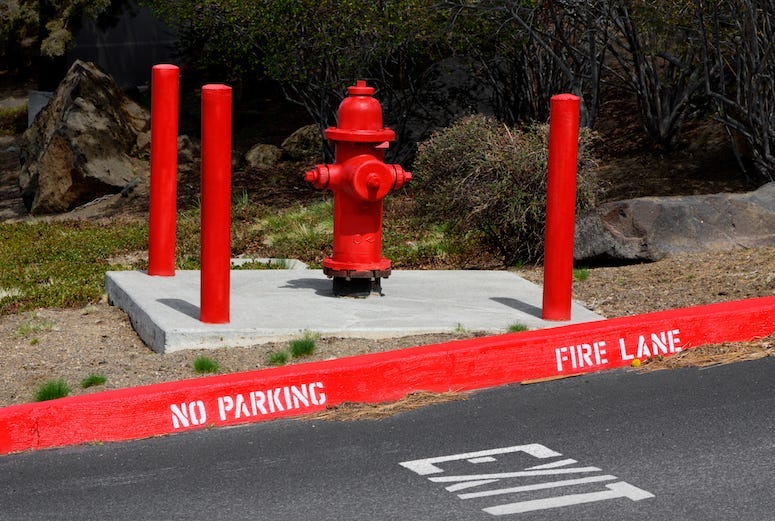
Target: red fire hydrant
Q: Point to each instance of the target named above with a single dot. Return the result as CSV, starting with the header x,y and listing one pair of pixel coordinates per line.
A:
x,y
359,179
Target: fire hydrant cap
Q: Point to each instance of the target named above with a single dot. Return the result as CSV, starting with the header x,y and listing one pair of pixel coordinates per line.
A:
x,y
359,118
360,89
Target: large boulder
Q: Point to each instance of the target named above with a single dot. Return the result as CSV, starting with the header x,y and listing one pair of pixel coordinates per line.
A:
x,y
651,228
82,145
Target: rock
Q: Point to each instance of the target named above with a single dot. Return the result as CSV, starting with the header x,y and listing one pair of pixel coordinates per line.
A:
x,y
305,143
262,155
81,144
651,228
188,150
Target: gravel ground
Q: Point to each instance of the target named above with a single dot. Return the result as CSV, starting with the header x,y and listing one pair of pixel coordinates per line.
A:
x,y
71,344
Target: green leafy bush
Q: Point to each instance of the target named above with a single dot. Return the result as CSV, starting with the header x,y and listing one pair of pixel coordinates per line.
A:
x,y
480,176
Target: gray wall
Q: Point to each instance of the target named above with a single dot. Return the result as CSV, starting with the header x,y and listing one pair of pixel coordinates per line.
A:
x,y
128,49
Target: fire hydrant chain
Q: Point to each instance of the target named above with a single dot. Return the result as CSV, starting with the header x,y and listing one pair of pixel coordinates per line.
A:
x,y
359,180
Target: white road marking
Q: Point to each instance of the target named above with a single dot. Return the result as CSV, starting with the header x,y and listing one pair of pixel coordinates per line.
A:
x,y
554,465
520,474
615,490
537,486
427,466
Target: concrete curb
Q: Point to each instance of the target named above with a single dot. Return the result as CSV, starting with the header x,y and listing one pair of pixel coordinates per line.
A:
x,y
305,388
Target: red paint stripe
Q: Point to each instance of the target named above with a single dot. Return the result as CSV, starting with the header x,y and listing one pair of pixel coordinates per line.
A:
x,y
461,365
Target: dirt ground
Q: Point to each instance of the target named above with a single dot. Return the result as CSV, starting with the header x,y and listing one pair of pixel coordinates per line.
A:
x,y
71,344
98,339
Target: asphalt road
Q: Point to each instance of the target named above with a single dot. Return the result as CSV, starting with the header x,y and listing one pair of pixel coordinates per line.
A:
x,y
687,444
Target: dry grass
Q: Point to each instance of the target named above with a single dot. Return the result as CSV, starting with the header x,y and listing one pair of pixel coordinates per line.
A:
x,y
377,411
713,355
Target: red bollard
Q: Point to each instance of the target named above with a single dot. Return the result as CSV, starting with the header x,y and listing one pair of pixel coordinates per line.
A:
x,y
560,206
164,170
216,204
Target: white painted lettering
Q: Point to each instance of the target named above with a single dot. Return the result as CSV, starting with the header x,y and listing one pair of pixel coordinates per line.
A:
x,y
643,348
300,396
617,490
240,407
526,482
520,474
561,354
194,408
623,349
581,356
538,486
600,353
659,343
672,337
225,404
318,398
192,413
274,400
427,466
585,355
179,415
259,401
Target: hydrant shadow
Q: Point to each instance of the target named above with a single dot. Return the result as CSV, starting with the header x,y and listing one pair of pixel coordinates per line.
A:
x,y
324,288
524,307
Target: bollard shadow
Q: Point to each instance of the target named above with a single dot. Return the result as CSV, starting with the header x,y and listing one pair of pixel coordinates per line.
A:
x,y
524,307
182,306
322,287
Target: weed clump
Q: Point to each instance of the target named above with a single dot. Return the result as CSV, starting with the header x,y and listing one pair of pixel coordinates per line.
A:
x,y
517,328
203,365
302,346
52,390
279,357
92,380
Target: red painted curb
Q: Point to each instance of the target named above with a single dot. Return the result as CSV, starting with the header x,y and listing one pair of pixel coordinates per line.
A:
x,y
301,389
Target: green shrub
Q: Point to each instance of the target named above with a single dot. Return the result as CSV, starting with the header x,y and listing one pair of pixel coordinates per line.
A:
x,y
92,380
580,274
279,357
517,328
52,390
302,346
479,176
203,364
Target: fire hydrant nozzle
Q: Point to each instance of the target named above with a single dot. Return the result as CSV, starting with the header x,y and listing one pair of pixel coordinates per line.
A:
x,y
359,179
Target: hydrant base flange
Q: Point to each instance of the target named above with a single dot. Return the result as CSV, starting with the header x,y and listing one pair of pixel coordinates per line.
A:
x,y
353,274
357,287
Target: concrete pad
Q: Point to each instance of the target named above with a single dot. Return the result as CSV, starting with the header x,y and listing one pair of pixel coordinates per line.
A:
x,y
277,305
